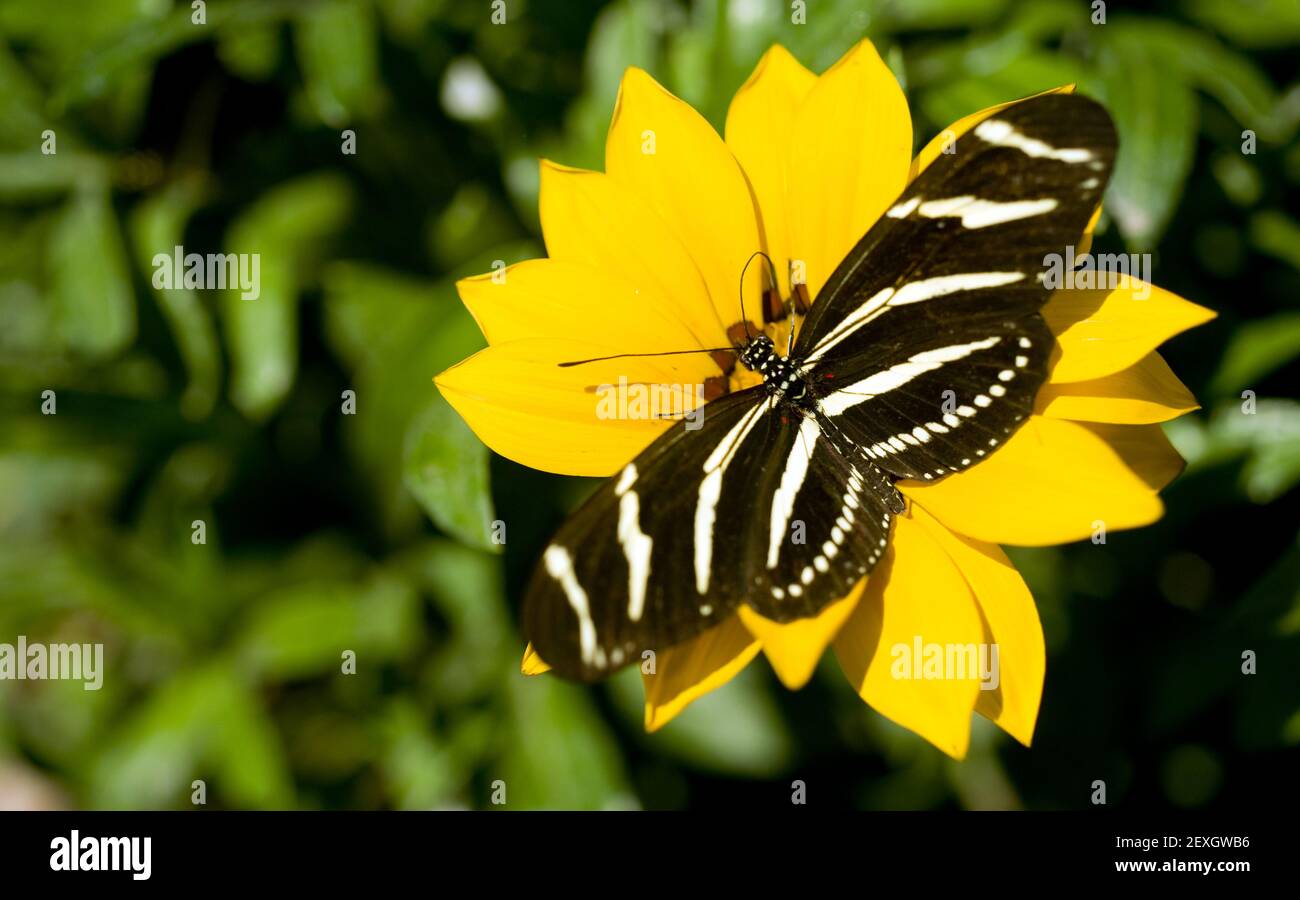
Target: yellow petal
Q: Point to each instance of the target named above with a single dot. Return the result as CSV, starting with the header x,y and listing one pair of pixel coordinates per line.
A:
x,y
915,592
1085,242
1010,617
850,150
589,217
565,420
549,298
963,125
1099,332
1145,392
673,159
532,663
690,670
763,109
795,648
1145,450
1051,483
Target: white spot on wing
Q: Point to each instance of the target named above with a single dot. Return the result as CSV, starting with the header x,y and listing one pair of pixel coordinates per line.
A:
x,y
706,507
792,479
1004,134
898,375
977,213
625,480
851,323
559,565
942,285
637,546
903,210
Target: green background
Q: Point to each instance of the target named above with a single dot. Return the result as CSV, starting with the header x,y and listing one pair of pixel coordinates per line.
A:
x,y
368,532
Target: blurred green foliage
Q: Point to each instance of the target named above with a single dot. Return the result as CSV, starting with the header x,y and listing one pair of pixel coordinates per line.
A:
x,y
370,532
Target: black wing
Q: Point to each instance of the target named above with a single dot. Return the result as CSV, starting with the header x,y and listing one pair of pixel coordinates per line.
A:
x,y
620,577
760,505
926,346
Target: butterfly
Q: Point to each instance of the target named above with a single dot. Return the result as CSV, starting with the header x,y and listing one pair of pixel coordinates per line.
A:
x,y
920,356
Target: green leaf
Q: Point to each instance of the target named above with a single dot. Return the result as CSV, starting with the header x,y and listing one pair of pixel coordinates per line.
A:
x,y
558,754
395,333
1155,114
969,61
22,118
1274,467
336,49
90,284
757,744
469,225
1232,79
1268,439
33,176
282,231
303,630
830,30
1278,235
252,53
1257,348
1240,180
949,101
1251,23
465,587
420,772
623,35
445,466
917,15
146,40
248,763
200,724
43,481
157,226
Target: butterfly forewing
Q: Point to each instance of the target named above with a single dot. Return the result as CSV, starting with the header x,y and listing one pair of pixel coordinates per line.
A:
x,y
651,559
926,345
920,356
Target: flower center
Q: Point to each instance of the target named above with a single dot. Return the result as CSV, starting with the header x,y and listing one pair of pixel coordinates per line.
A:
x,y
777,322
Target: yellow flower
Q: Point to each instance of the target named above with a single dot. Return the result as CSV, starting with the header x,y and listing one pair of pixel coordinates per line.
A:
x,y
646,256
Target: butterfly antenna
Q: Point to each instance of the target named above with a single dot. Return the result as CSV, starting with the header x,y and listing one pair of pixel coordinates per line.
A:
x,y
580,362
789,347
772,267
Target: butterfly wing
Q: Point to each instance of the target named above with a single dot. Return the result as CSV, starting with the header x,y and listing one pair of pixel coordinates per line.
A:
x,y
819,520
764,504
652,558
926,346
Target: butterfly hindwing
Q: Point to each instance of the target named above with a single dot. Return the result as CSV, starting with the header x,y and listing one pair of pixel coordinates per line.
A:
x,y
926,345
822,521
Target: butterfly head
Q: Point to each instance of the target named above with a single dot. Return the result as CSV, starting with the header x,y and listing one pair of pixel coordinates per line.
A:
x,y
757,353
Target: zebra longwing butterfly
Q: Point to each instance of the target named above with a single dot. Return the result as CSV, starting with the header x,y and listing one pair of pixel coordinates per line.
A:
x,y
940,300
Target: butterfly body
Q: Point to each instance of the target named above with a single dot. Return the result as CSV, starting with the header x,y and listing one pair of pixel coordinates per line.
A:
x,y
920,356
780,375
